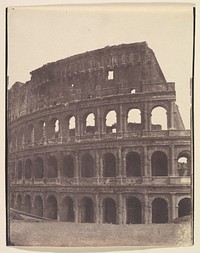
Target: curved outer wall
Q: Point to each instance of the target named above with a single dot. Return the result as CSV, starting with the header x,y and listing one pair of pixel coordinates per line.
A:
x,y
62,166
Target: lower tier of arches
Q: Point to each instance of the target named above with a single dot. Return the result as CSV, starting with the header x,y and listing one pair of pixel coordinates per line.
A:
x,y
103,208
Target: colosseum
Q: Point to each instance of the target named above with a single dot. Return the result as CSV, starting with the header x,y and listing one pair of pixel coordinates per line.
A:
x,y
83,146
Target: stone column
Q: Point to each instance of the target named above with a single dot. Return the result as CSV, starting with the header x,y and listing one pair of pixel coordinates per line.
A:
x,y
100,210
98,122
171,116
76,211
23,171
120,210
45,167
59,167
97,163
123,171
60,129
76,167
146,117
147,210
120,127
119,169
96,209
146,171
58,208
173,171
123,211
174,208
77,126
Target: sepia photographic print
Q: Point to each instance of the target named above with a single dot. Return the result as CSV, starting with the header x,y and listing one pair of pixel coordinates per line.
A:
x,y
99,125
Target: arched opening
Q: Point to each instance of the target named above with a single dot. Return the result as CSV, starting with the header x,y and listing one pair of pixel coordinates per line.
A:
x,y
38,204
133,165
87,210
109,211
21,139
52,208
19,202
68,166
109,165
90,123
159,211
28,169
38,168
67,210
134,211
54,129
14,140
12,169
52,167
184,164
41,131
159,164
87,165
159,118
19,170
111,122
27,204
134,120
72,126
184,207
30,134
12,201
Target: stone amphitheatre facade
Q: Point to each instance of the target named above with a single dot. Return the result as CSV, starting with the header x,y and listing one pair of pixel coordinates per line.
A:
x,y
82,145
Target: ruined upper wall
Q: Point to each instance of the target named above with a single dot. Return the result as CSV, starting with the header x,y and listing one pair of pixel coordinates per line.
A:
x,y
107,71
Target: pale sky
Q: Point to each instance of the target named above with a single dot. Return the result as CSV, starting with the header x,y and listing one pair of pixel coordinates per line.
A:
x,y
41,35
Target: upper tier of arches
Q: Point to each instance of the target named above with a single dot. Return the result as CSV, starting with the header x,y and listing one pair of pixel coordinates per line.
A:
x,y
125,120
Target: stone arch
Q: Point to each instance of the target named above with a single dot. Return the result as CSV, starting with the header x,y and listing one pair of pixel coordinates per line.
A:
x,y
39,168
109,165
71,125
12,201
67,209
87,165
21,138
38,206
28,169
184,207
19,170
14,139
30,138
41,130
159,211
68,166
134,119
133,164
19,202
133,210
111,122
90,123
184,164
53,128
159,118
27,204
159,164
87,210
109,211
52,208
52,167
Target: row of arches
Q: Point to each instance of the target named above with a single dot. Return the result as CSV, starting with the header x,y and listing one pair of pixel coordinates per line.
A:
x,y
87,210
108,162
69,126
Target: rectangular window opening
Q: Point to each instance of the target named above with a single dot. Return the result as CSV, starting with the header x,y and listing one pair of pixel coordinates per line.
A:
x,y
110,75
133,91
